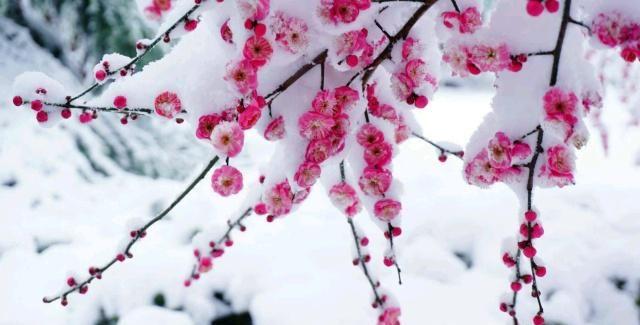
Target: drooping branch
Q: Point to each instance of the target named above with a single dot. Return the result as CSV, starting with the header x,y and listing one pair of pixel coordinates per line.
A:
x,y
362,260
224,241
96,272
532,164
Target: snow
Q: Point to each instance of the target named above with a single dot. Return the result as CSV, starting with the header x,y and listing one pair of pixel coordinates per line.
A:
x,y
299,268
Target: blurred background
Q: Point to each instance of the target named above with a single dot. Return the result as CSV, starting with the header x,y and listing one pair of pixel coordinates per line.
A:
x,y
66,193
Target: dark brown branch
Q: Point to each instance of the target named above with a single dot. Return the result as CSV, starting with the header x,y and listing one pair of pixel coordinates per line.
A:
x,y
363,263
581,24
138,235
557,51
455,5
126,110
442,149
395,258
319,59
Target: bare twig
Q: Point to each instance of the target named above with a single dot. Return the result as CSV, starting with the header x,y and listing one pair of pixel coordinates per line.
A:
x,y
97,273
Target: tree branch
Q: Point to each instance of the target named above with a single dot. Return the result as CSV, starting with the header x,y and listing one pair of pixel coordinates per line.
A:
x,y
442,149
140,233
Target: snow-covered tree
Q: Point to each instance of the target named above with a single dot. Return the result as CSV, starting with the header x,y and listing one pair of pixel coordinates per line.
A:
x,y
336,84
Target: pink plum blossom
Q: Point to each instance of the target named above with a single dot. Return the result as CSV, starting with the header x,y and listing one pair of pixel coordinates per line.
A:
x,y
168,104
314,126
275,129
375,181
226,180
390,316
243,76
307,174
344,197
257,50
228,138
387,209
378,154
559,166
206,124
369,135
279,199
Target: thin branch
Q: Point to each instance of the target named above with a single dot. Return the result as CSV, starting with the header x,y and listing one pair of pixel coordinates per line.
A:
x,y
560,42
395,259
582,24
126,110
138,235
455,5
363,263
442,149
384,31
231,225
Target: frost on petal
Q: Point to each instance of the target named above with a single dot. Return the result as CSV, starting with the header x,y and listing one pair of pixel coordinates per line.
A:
x,y
167,104
387,209
275,129
228,138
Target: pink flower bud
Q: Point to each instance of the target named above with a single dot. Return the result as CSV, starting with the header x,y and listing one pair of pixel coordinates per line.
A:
x,y
530,216
17,100
120,102
535,8
529,251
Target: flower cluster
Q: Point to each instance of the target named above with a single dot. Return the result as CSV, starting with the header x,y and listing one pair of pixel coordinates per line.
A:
x,y
375,181
411,82
257,51
278,200
467,21
325,126
344,197
390,316
559,166
530,230
498,162
341,11
614,29
354,47
560,111
387,113
291,33
475,59
112,66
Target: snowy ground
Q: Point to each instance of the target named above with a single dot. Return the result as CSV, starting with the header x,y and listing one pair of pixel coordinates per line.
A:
x,y
298,270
